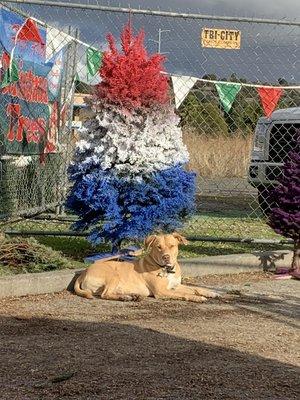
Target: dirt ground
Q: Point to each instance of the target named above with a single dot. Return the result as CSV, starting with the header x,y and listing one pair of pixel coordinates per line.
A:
x,y
245,346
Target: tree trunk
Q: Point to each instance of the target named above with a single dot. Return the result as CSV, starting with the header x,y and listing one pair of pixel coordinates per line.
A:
x,y
296,256
116,247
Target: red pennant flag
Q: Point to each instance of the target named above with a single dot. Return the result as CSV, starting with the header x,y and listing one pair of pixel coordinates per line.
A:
x,y
29,32
269,97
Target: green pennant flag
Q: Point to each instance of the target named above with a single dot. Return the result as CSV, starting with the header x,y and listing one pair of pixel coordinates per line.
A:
x,y
93,61
227,93
11,75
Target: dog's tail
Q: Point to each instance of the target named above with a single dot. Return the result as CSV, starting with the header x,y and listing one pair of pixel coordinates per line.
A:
x,y
87,293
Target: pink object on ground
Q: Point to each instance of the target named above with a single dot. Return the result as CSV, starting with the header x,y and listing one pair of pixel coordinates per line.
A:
x,y
282,276
282,270
295,274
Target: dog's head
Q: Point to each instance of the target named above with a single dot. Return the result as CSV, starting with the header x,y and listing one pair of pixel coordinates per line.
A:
x,y
164,249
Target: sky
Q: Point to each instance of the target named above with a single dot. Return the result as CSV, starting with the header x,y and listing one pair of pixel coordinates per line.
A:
x,y
243,8
268,52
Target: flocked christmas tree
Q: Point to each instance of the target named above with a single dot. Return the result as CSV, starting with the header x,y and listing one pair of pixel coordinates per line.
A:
x,y
285,217
128,171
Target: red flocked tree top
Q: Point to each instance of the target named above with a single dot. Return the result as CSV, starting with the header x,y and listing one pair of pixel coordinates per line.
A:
x,y
131,78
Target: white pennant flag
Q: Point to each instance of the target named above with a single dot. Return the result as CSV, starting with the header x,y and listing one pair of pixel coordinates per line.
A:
x,y
182,85
56,40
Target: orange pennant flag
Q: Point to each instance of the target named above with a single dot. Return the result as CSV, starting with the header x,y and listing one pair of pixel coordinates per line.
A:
x,y
269,98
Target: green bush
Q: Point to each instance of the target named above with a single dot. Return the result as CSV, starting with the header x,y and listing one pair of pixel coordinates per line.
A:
x,y
205,117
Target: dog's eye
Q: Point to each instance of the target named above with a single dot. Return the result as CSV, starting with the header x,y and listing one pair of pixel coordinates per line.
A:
x,y
159,247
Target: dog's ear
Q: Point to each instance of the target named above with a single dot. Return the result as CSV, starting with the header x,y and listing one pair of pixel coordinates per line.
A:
x,y
149,241
181,239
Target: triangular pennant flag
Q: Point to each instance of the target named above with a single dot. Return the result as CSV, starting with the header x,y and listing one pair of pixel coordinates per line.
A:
x,y
11,75
56,40
227,93
269,98
93,61
29,32
181,86
83,74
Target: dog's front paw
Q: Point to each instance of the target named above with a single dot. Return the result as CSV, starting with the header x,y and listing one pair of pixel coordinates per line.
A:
x,y
213,295
207,293
201,299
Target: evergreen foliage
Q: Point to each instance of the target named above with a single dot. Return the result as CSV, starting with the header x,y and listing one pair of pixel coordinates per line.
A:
x,y
285,217
128,170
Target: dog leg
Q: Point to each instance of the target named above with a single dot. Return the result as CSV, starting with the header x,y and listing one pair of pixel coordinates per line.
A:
x,y
120,297
194,291
178,295
206,293
198,291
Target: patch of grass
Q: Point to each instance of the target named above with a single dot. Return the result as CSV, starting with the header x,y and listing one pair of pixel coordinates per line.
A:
x,y
205,249
229,226
79,248
54,252
226,226
72,247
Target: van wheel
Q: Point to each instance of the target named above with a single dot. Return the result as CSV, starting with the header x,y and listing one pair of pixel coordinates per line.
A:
x,y
264,200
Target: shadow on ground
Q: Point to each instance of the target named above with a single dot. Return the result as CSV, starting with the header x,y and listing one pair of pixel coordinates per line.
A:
x,y
57,359
284,312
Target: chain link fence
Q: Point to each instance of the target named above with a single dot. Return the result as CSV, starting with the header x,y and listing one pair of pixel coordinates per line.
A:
x,y
237,153
36,114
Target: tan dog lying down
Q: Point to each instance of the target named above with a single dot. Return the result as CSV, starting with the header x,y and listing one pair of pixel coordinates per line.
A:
x,y
157,274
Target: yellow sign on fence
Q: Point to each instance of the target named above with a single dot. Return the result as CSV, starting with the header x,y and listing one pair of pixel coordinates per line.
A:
x,y
221,38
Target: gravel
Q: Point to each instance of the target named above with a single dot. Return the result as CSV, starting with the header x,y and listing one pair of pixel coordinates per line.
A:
x,y
244,346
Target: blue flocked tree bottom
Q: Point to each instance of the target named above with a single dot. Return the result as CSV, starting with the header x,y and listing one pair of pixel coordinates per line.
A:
x,y
116,209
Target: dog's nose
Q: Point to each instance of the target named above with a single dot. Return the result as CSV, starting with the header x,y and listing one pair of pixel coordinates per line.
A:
x,y
166,257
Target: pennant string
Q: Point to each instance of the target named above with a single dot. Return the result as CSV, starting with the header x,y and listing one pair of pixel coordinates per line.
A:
x,y
227,91
290,87
15,44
